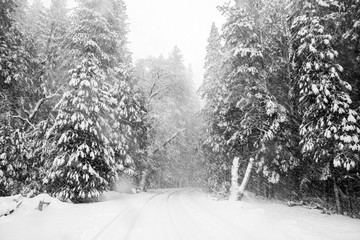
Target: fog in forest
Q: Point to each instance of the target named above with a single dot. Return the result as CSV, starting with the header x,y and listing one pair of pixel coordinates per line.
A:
x,y
216,118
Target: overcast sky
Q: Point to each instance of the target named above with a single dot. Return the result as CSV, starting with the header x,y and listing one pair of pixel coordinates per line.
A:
x,y
158,25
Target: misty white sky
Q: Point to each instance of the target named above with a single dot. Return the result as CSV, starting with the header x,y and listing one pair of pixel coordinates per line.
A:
x,y
156,26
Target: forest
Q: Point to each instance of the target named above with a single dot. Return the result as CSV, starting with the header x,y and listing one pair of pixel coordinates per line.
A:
x,y
279,113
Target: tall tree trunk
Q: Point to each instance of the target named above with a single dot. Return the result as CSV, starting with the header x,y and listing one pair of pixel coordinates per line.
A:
x,y
349,198
246,178
337,198
234,190
258,186
144,175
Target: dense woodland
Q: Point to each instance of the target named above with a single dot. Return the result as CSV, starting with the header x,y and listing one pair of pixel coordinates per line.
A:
x,y
282,97
77,115
280,104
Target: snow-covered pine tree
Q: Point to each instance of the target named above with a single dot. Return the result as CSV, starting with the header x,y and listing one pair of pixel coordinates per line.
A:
x,y
329,128
213,61
118,21
55,29
352,13
35,25
20,13
349,54
278,145
83,164
254,118
127,123
103,24
212,91
181,85
19,89
89,24
244,106
13,168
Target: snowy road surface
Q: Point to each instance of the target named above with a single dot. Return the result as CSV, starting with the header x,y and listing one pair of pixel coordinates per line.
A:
x,y
174,214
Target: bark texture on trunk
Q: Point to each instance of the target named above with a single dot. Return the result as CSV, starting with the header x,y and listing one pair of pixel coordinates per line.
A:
x,y
337,198
144,175
246,178
234,190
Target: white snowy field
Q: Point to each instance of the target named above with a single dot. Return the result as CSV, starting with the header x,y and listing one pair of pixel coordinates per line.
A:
x,y
173,214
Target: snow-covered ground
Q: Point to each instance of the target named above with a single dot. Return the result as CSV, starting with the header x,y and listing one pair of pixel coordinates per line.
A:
x,y
173,214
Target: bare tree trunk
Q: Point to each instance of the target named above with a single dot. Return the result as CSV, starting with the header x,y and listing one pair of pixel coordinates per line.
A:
x,y
349,198
258,187
337,198
246,178
234,190
168,141
144,175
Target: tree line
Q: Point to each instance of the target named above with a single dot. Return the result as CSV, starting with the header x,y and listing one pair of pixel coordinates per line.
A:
x,y
282,96
75,115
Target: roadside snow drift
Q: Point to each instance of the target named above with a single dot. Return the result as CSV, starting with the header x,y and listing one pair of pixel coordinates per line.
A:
x,y
172,214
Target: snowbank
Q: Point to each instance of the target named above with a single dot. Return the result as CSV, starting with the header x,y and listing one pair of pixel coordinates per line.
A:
x,y
9,204
59,220
173,214
17,205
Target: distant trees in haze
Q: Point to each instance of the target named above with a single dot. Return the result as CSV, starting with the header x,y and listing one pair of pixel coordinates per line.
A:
x,y
173,119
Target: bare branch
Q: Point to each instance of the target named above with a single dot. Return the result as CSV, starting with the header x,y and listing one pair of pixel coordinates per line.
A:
x,y
41,101
23,119
168,141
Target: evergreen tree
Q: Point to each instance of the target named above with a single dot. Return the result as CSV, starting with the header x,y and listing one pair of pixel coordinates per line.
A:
x,y
35,26
118,20
96,22
254,115
348,44
247,93
128,124
329,126
20,13
55,29
84,164
19,90
213,61
211,90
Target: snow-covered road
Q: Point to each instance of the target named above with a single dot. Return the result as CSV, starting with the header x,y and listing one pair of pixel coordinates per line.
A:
x,y
175,214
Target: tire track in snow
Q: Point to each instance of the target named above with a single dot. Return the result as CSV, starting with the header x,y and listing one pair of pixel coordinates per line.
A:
x,y
170,214
204,225
124,213
187,224
140,211
216,221
137,214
